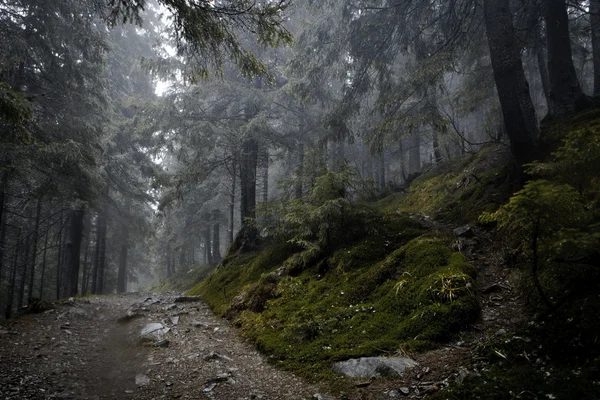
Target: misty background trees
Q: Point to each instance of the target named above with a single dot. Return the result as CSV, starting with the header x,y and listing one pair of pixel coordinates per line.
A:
x,y
139,139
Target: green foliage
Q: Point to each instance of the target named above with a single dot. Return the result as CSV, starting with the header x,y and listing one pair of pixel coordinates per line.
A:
x,y
576,161
542,208
206,33
325,217
14,108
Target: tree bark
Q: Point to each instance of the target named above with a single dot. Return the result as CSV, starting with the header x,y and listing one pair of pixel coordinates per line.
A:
x,y
122,274
43,272
13,278
299,187
3,183
34,253
565,91
85,275
232,203
168,260
207,247
414,153
437,154
216,244
21,294
517,108
382,184
72,251
59,257
2,240
248,234
99,259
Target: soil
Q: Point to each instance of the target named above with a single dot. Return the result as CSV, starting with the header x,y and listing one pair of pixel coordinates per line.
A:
x,y
81,351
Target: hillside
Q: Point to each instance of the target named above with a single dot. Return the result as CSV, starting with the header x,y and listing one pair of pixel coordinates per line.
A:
x,y
428,281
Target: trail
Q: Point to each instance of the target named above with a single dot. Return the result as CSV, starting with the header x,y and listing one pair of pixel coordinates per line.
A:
x,y
80,351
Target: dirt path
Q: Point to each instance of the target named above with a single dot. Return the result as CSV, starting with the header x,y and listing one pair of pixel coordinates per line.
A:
x,y
80,351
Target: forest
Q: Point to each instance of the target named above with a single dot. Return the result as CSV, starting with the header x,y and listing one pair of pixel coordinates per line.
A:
x,y
414,181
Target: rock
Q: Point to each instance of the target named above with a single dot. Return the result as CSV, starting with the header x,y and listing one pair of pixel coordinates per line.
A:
x,y
367,367
463,231
187,299
198,324
320,396
404,390
154,331
215,356
175,320
219,378
210,387
142,380
162,343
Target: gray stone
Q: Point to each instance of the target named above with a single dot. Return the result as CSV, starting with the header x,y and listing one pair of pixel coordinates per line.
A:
x,y
154,331
463,231
142,380
367,367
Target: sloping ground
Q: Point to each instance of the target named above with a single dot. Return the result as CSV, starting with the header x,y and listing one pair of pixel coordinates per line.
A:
x,y
80,351
409,287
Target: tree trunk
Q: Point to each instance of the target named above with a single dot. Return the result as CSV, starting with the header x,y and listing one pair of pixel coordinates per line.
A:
x,y
36,232
207,247
21,295
265,175
298,189
216,243
247,235
2,239
13,278
168,260
122,275
382,184
59,257
414,153
98,274
95,257
517,108
595,25
2,224
85,275
232,203
437,154
43,272
565,91
72,251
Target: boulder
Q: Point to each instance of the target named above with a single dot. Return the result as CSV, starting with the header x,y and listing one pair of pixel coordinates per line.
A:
x,y
367,367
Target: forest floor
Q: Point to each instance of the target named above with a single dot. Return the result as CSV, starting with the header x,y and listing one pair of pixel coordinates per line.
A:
x,y
81,350
91,349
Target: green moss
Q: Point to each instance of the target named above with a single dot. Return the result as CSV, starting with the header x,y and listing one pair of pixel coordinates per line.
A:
x,y
458,190
239,275
308,321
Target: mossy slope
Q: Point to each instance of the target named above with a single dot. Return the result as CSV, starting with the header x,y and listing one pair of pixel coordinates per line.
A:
x,y
459,190
367,300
